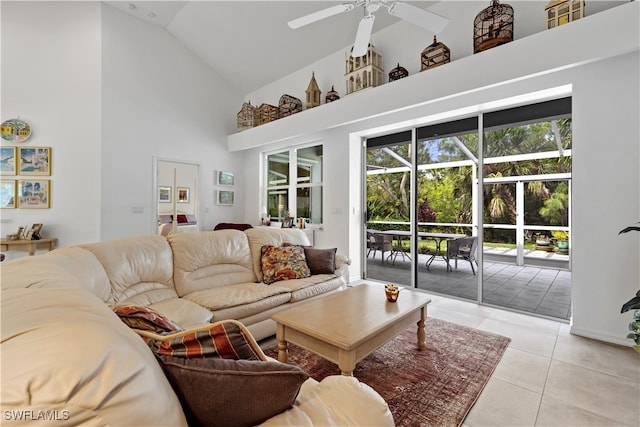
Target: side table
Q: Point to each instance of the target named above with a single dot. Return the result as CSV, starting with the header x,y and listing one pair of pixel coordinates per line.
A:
x,y
30,246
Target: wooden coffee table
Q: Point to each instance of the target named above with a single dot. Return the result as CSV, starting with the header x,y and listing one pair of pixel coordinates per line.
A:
x,y
347,326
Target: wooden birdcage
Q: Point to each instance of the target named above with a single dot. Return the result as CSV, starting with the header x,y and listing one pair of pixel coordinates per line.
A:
x,y
266,113
559,12
434,55
364,71
398,73
314,95
289,105
246,116
493,26
332,95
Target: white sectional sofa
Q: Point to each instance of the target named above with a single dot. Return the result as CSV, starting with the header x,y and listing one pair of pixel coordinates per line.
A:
x,y
67,359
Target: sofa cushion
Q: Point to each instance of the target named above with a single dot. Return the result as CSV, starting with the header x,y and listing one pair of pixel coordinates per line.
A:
x,y
183,312
321,261
283,263
209,259
260,236
226,339
64,349
240,295
228,393
317,284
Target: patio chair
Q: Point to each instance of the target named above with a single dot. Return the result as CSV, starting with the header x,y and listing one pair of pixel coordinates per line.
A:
x,y
382,243
463,248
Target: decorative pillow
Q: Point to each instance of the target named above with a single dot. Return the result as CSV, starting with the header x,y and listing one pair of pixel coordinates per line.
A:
x,y
165,219
218,392
226,339
283,263
321,261
146,319
182,219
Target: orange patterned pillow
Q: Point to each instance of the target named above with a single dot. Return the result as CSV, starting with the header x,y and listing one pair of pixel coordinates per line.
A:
x,y
283,263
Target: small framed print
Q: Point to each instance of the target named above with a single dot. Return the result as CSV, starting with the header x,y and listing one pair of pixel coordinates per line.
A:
x,y
226,178
226,197
34,232
164,194
183,195
8,160
35,160
34,193
8,193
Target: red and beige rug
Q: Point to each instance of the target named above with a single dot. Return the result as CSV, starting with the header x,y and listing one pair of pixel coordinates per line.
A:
x,y
435,386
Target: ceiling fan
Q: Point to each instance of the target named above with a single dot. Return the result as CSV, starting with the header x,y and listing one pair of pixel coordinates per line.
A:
x,y
413,14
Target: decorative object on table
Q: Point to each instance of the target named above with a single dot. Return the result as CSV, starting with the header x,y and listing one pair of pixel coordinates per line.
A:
x,y
314,95
398,73
416,15
493,26
435,54
34,232
35,160
560,12
633,304
289,105
226,197
34,193
182,193
332,95
15,130
392,292
8,193
164,194
287,222
226,178
8,160
266,113
364,71
246,117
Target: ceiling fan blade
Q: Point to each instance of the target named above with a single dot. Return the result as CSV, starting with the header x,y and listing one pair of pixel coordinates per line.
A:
x,y
365,27
420,17
321,14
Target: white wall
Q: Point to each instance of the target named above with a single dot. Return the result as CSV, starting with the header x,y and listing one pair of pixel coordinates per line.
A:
x,y
606,151
51,73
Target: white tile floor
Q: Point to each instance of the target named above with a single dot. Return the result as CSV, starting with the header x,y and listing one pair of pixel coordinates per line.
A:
x,y
548,377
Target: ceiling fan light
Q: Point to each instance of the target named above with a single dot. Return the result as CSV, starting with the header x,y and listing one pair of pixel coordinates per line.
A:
x,y
365,27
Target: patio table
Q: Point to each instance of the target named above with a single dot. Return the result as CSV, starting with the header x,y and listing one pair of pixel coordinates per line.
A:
x,y
438,238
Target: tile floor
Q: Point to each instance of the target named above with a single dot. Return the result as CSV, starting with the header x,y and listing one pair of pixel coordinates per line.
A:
x,y
548,377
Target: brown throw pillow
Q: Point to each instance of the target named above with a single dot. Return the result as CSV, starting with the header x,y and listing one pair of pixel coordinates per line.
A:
x,y
222,392
283,263
321,261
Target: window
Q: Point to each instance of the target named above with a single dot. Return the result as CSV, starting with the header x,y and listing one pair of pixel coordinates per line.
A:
x,y
294,184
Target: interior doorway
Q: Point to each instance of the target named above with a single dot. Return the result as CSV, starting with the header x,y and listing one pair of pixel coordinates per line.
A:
x,y
177,196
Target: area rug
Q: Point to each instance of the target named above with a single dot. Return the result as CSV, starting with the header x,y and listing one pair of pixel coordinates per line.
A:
x,y
435,386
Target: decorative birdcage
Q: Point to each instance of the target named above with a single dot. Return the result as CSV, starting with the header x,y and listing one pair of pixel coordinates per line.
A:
x,y
559,12
314,95
435,54
398,73
246,116
493,26
332,95
266,113
289,105
364,71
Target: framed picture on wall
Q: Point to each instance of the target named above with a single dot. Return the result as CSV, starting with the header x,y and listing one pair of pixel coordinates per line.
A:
x,y
164,194
183,195
34,194
35,160
226,178
226,197
8,193
7,160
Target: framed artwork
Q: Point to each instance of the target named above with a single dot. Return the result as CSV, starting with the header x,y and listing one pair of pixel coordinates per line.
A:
x,y
183,195
226,178
226,197
7,160
8,193
164,194
35,160
34,193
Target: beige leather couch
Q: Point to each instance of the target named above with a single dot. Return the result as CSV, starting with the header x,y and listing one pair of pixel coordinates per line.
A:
x,y
67,359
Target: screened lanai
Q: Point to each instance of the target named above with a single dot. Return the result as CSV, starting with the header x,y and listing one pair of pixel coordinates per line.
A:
x,y
506,225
